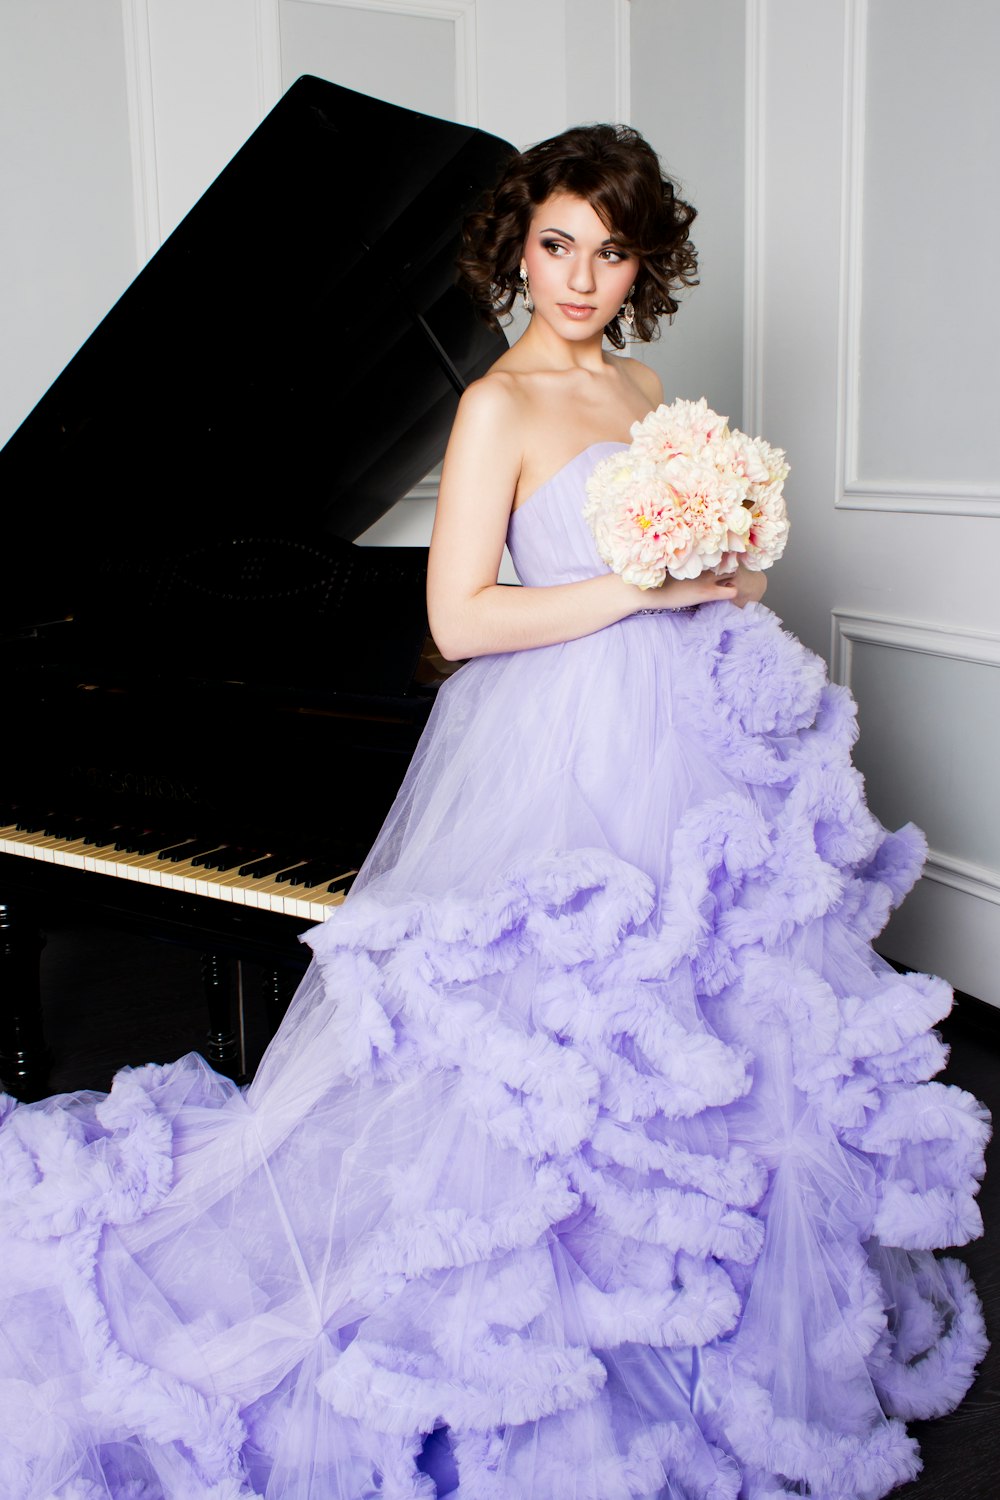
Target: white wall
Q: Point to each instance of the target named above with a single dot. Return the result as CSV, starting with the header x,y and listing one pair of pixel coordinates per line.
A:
x,y
67,249
116,115
165,91
873,322
688,64
848,307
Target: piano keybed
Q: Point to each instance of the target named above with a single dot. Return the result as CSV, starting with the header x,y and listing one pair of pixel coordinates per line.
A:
x,y
298,885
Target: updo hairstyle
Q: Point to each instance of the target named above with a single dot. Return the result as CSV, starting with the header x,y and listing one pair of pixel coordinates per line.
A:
x,y
619,175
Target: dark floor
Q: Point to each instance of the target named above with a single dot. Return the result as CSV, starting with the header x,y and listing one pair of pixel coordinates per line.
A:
x,y
112,1000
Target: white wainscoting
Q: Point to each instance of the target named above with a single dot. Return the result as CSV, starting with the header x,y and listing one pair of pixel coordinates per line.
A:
x,y
919,379
929,704
375,44
872,323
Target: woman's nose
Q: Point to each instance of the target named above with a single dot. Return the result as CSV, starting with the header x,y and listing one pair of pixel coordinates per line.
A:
x,y
581,277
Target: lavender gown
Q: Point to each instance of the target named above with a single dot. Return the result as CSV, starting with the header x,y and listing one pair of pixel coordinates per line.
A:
x,y
597,1142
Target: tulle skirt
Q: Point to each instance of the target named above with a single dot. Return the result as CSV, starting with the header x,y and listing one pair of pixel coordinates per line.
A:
x,y
597,1156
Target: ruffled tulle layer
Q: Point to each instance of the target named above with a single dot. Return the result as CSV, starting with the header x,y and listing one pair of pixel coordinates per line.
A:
x,y
617,1173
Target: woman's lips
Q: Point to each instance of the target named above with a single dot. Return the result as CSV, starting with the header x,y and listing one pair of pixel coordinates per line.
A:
x,y
577,310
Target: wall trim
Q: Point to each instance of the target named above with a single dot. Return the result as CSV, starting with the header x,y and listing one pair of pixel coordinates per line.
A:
x,y
962,875
849,629
426,488
956,498
267,28
141,130
851,222
907,635
755,95
462,15
623,61
854,491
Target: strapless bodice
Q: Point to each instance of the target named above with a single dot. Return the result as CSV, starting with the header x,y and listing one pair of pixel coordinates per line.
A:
x,y
547,537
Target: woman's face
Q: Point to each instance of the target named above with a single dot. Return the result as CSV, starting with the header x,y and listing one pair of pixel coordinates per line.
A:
x,y
578,277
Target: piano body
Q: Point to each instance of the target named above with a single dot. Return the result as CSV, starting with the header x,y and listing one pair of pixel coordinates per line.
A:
x,y
211,692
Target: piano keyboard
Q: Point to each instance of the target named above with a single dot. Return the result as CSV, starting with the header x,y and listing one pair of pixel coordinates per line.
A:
x,y
169,869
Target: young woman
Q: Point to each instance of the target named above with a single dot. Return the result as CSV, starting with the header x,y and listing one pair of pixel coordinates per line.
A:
x,y
557,393
596,1157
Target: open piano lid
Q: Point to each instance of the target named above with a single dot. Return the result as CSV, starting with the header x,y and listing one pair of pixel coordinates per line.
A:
x,y
287,364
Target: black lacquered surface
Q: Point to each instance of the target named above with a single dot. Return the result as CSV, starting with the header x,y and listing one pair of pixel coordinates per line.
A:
x,y
288,363
193,647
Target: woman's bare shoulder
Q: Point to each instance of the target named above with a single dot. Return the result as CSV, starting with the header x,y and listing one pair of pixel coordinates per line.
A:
x,y
495,396
645,378
499,401
487,430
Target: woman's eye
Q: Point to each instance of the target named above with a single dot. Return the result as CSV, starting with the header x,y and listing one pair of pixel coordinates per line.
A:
x,y
608,255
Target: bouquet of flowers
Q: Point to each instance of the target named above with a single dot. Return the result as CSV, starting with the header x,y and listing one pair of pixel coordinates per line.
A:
x,y
689,494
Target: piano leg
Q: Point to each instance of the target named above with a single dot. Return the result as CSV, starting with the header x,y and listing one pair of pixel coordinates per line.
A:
x,y
221,979
24,1057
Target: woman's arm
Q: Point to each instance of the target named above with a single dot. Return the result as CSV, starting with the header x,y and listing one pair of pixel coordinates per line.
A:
x,y
469,613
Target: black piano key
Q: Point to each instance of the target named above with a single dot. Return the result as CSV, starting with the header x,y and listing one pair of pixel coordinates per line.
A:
x,y
253,866
62,827
99,836
317,872
128,839
271,864
231,858
292,872
210,859
32,822
152,842
198,851
222,857
177,851
342,883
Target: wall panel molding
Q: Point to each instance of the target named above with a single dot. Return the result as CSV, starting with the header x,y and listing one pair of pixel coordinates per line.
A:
x,y
850,629
268,37
623,61
461,14
142,130
853,490
753,226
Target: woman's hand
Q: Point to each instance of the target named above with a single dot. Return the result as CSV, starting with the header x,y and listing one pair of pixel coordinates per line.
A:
x,y
684,593
750,586
740,586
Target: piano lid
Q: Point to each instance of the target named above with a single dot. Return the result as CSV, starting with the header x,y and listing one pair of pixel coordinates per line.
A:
x,y
289,362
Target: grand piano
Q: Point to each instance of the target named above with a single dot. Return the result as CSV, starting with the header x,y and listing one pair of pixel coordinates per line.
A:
x,y
211,691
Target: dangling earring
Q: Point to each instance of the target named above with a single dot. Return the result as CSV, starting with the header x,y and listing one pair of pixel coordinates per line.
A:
x,y
529,306
628,310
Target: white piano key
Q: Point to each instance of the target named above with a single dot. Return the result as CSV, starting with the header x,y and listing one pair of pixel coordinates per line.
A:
x,y
309,905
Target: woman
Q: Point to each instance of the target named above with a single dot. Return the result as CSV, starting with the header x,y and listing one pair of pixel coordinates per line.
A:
x,y
595,1157
556,391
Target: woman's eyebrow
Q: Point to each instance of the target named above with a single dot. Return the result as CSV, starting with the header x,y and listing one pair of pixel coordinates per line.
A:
x,y
567,236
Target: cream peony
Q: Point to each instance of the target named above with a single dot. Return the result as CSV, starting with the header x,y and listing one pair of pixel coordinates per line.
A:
x,y
688,494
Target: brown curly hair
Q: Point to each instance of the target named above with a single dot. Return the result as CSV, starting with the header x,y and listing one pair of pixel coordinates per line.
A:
x,y
619,175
